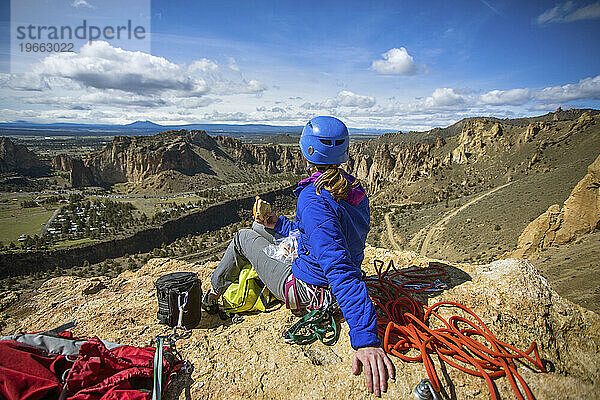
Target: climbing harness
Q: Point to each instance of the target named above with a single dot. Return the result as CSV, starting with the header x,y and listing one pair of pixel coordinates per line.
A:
x,y
406,324
319,296
318,324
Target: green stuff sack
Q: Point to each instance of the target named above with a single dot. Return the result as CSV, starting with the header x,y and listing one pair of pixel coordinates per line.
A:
x,y
248,294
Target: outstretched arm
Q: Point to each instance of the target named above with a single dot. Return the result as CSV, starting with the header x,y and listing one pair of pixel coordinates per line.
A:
x,y
329,246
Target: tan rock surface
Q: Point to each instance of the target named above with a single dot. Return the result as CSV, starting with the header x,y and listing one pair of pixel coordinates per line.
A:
x,y
579,215
250,360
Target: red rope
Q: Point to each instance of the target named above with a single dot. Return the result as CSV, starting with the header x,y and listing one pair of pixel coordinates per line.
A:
x,y
465,343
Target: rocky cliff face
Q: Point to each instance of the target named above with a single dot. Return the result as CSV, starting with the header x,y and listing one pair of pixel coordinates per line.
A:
x,y
476,153
17,158
62,162
271,158
250,359
398,159
580,214
476,138
380,164
136,158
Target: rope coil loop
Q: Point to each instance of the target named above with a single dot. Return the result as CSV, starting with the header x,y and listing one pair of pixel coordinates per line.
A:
x,y
464,342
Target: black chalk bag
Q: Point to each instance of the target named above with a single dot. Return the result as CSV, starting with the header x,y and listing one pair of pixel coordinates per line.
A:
x,y
179,291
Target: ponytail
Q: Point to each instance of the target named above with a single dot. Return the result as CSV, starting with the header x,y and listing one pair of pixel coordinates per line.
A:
x,y
334,181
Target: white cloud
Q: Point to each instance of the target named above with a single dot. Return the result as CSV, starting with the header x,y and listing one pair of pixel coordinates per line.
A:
x,y
195,102
545,107
111,85
345,98
101,66
81,4
254,86
232,64
87,100
444,97
24,82
118,84
588,88
555,14
9,115
566,12
514,97
349,99
225,88
113,98
591,11
395,61
217,116
203,65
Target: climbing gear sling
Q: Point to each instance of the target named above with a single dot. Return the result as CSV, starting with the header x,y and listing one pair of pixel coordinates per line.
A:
x,y
318,324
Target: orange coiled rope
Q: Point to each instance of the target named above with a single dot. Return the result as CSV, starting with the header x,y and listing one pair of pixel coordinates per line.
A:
x,y
404,323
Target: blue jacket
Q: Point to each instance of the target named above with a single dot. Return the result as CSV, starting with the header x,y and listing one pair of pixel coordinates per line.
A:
x,y
331,250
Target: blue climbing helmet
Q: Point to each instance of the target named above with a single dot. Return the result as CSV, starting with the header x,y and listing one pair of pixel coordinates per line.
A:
x,y
325,140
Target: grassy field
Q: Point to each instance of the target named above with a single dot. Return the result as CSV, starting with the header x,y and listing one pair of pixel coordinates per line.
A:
x,y
16,220
74,242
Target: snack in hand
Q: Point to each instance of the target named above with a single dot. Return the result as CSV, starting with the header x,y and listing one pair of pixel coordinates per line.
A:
x,y
260,209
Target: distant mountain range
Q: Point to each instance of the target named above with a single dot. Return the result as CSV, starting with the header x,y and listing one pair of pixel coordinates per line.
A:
x,y
150,128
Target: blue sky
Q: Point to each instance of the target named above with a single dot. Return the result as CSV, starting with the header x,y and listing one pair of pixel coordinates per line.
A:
x,y
396,65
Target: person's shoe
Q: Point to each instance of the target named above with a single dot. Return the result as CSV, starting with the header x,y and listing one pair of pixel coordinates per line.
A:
x,y
209,302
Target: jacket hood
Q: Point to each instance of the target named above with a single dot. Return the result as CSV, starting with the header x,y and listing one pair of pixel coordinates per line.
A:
x,y
355,195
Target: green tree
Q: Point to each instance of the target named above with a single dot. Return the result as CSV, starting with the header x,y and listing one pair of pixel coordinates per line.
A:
x,y
75,198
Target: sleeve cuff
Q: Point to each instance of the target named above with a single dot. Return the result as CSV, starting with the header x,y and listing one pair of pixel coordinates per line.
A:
x,y
365,339
278,225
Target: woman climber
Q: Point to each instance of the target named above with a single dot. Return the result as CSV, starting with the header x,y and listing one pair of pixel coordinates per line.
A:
x,y
332,216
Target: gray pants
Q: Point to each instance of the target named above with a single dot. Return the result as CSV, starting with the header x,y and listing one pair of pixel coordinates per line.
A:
x,y
248,246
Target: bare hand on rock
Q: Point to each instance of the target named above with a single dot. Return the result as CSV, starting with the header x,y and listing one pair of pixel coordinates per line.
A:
x,y
378,368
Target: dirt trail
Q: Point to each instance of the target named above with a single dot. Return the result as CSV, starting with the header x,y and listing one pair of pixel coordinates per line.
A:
x,y
441,224
47,224
390,233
